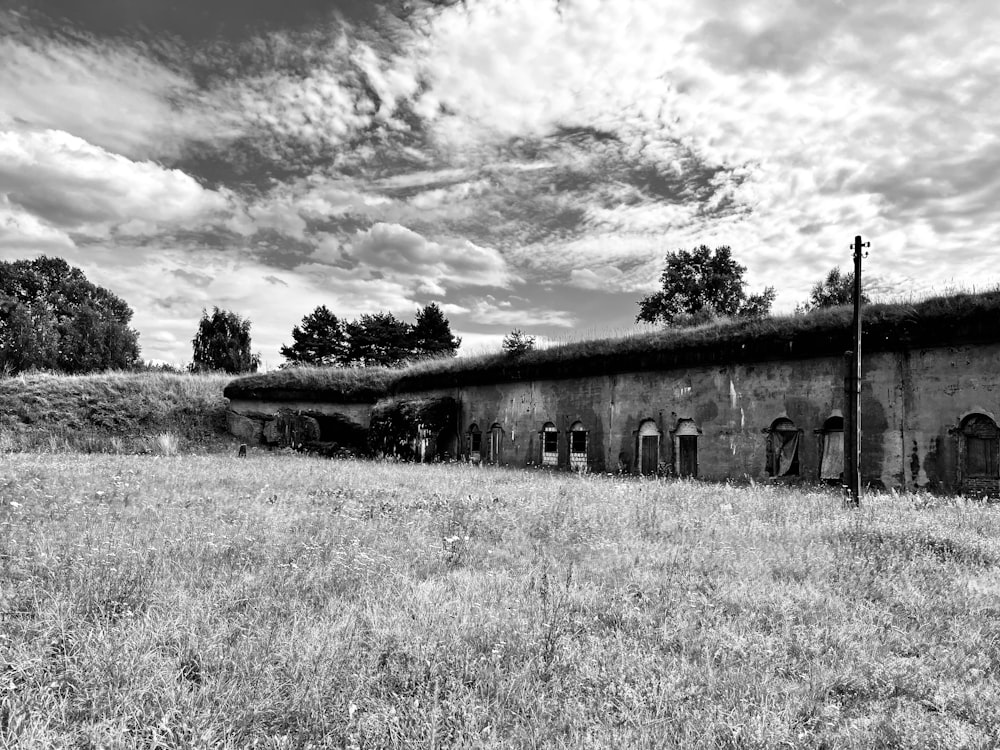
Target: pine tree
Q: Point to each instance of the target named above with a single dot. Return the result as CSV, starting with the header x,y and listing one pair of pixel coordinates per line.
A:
x,y
432,336
320,340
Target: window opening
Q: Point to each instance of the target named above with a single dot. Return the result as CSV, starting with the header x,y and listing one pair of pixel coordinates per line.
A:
x,y
550,445
578,446
981,446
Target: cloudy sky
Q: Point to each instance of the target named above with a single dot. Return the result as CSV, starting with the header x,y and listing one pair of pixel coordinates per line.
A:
x,y
524,163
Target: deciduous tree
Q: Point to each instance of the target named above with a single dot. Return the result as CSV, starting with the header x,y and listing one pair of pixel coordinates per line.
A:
x,y
836,289
701,284
222,343
53,318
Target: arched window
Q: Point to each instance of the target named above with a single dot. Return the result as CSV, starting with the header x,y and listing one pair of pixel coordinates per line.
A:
x,y
831,464
783,448
686,448
496,443
475,443
578,444
550,445
979,444
649,447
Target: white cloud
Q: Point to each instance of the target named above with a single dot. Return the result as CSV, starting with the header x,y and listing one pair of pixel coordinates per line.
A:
x,y
401,254
71,184
492,312
20,230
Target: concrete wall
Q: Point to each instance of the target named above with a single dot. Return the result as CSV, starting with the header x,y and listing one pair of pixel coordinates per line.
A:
x,y
913,402
910,401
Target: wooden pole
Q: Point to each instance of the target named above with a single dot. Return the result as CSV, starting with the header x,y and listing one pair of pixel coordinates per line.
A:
x,y
855,469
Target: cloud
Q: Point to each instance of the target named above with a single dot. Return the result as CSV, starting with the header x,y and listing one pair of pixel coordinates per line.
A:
x,y
399,253
71,184
489,311
20,230
110,93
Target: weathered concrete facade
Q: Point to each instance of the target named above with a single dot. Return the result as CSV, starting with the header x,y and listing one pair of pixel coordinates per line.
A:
x,y
929,419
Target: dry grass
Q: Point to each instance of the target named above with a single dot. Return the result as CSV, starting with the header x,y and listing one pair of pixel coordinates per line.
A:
x,y
286,601
116,412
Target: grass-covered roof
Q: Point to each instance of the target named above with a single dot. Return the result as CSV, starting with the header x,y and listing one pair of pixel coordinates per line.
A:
x,y
953,319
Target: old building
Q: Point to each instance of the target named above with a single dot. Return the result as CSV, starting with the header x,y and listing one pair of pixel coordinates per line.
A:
x,y
750,399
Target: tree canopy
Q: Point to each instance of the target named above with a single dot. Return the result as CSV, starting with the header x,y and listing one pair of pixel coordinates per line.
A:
x,y
700,284
53,318
376,339
836,289
320,341
517,342
222,343
432,336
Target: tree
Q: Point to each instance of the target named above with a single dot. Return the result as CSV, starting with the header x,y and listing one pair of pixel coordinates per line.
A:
x,y
431,336
320,341
378,340
518,342
836,289
700,284
53,318
222,343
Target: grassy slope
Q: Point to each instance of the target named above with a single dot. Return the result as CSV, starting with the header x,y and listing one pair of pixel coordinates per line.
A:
x,y
938,320
111,412
284,601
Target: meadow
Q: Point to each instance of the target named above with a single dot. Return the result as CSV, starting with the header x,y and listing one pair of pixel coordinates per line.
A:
x,y
287,601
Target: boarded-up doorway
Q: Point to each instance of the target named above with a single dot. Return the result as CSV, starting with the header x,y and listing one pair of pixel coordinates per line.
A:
x,y
496,444
649,447
686,448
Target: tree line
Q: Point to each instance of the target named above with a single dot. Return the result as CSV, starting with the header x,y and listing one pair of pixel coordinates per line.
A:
x,y
376,339
52,318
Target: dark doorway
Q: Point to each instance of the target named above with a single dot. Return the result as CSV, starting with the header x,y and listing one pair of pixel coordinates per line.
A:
x,y
687,460
649,454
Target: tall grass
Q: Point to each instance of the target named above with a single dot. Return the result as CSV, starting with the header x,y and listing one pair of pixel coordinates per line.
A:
x,y
112,412
286,601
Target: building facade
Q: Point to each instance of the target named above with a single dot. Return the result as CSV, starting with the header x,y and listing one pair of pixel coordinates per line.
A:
x,y
929,420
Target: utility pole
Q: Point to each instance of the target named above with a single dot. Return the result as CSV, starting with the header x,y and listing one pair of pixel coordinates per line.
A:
x,y
854,467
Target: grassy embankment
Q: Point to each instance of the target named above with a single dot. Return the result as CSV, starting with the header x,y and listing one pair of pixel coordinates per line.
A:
x,y
118,412
288,601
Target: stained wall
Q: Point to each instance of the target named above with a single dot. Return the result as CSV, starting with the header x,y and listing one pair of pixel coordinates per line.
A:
x,y
912,402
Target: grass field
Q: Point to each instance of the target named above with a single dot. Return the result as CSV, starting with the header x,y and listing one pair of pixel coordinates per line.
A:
x,y
287,601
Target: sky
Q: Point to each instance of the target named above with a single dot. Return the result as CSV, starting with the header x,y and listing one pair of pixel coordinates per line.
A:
x,y
522,163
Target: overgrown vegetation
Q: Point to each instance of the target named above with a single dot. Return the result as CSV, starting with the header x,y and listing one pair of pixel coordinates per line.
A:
x,y
204,601
945,320
117,412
